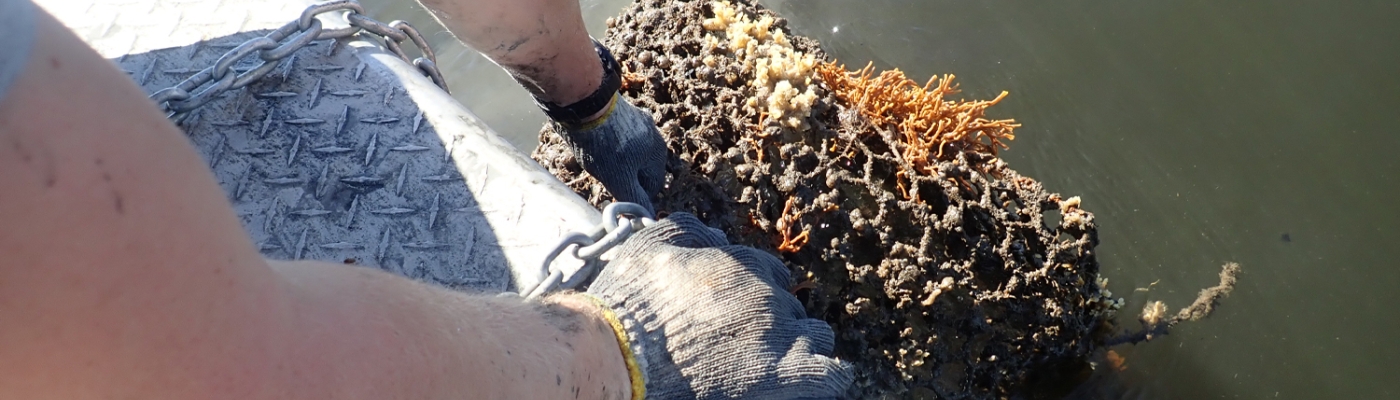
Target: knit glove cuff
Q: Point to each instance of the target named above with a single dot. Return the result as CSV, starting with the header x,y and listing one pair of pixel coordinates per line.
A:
x,y
709,320
623,150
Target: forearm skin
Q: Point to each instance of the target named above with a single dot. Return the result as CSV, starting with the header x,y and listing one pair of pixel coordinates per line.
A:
x,y
542,43
126,274
386,333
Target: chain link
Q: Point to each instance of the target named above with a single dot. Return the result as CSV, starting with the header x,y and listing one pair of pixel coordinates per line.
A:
x,y
620,221
282,43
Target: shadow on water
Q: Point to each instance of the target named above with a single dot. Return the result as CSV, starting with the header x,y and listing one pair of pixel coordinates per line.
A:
x,y
327,158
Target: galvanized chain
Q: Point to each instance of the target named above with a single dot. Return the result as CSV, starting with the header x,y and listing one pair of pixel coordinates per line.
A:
x,y
620,221
283,42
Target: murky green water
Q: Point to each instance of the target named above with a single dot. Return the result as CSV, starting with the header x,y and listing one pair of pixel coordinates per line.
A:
x,y
1199,132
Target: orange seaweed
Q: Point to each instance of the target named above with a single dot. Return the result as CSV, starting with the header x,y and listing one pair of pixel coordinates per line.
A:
x,y
929,125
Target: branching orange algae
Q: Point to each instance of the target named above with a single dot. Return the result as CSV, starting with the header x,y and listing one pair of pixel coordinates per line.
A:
x,y
930,126
791,243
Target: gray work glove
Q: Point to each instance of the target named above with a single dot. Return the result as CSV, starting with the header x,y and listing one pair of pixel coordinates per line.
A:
x,y
624,151
708,320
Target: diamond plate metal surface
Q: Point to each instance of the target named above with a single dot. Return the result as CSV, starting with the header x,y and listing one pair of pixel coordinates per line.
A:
x,y
345,153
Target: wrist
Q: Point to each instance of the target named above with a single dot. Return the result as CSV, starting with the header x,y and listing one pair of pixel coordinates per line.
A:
x,y
597,103
596,119
607,349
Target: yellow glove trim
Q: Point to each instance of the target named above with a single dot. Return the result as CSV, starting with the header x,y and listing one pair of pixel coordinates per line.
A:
x,y
634,371
612,104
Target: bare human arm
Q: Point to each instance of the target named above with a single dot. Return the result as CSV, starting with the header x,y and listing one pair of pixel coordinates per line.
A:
x,y
542,43
125,274
544,46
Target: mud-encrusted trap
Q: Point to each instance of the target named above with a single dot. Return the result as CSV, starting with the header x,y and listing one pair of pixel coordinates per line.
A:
x,y
945,273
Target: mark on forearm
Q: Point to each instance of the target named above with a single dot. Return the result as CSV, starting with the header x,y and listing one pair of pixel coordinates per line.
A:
x,y
513,46
526,77
23,152
569,344
562,318
118,203
535,76
605,329
47,169
610,394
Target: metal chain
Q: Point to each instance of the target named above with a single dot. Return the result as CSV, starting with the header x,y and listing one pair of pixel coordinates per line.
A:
x,y
620,221
283,42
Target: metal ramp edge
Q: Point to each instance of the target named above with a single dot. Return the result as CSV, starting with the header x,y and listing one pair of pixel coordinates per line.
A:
x,y
345,153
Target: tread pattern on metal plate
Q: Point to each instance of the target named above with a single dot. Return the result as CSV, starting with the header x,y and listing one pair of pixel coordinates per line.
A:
x,y
323,159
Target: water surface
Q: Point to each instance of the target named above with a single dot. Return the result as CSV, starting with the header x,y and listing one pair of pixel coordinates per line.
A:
x,y
1198,132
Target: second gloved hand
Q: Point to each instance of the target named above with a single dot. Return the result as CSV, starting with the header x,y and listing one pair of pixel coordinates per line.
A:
x,y
623,150
708,320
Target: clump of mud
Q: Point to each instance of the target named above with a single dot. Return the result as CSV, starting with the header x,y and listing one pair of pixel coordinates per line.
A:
x,y
944,273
